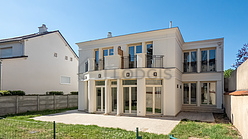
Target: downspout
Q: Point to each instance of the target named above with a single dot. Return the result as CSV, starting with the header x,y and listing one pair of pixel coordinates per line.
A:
x,y
1,83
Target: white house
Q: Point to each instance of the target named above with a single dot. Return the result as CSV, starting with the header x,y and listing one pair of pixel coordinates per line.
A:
x,y
150,73
38,63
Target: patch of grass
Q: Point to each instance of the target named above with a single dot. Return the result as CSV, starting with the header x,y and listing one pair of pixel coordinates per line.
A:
x,y
187,128
21,126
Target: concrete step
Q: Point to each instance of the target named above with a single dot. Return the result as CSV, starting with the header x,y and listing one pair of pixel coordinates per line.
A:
x,y
201,109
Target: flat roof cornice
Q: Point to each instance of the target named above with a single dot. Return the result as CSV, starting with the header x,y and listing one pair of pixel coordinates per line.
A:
x,y
127,35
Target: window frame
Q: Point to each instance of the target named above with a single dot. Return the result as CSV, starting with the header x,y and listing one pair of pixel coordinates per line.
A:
x,y
5,48
190,60
67,77
208,49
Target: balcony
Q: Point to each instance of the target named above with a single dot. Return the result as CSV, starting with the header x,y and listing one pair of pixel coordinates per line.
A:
x,y
129,62
190,66
154,61
205,66
208,66
140,60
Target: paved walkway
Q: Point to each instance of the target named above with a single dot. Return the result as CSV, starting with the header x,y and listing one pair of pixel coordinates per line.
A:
x,y
158,125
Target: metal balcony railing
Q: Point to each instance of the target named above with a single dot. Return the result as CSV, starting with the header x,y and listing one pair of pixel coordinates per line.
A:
x,y
190,66
154,61
208,66
99,65
129,62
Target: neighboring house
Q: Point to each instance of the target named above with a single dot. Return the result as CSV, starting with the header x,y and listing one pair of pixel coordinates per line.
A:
x,y
38,63
236,98
149,73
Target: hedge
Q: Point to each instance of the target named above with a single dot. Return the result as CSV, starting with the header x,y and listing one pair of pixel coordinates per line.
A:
x,y
4,93
17,92
55,93
74,93
14,93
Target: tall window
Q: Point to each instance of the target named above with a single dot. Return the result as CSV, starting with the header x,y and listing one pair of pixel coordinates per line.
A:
x,y
149,52
6,52
208,60
190,61
96,59
133,50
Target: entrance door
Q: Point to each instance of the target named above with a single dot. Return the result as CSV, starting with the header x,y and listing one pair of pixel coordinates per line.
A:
x,y
153,100
130,99
114,99
189,93
208,93
100,99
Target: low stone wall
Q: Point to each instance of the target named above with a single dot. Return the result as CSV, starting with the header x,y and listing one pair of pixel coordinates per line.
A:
x,y
236,108
20,104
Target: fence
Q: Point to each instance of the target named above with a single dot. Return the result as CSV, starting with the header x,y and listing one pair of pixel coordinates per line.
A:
x,y
20,104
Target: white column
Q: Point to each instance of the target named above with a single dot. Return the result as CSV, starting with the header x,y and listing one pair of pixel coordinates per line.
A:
x,y
92,96
198,60
144,49
219,94
107,97
198,93
91,64
115,50
119,96
141,97
81,95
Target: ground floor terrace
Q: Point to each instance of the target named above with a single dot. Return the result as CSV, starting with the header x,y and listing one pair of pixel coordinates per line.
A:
x,y
149,96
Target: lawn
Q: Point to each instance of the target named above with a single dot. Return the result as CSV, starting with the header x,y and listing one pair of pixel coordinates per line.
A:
x,y
21,126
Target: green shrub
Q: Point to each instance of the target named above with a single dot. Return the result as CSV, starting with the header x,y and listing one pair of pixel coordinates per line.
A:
x,y
74,93
5,93
17,92
55,93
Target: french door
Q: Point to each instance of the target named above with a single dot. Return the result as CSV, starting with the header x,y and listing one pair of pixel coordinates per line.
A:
x,y
114,99
189,93
130,99
208,93
153,100
100,99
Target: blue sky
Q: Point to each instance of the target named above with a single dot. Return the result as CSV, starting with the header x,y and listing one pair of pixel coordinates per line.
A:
x,y
81,20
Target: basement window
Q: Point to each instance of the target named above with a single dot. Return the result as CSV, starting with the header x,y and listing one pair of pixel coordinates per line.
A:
x,y
66,57
65,80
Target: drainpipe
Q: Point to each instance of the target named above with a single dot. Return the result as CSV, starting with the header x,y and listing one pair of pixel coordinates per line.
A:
x,y
1,75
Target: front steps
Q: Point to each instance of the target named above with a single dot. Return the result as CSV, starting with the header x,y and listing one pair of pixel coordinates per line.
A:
x,y
188,108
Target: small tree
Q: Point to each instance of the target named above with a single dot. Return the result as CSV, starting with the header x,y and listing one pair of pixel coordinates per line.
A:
x,y
228,72
242,56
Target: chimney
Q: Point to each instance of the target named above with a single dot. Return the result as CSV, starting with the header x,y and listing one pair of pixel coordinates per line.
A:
x,y
42,29
109,34
170,24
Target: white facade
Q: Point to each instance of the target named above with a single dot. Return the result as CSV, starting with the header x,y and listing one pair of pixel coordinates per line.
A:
x,y
144,74
38,64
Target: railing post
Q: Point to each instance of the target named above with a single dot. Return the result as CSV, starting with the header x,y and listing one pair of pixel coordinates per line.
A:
x,y
137,133
54,133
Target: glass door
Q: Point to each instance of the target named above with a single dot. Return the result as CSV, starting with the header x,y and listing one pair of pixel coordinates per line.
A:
x,y
153,100
100,99
149,54
114,99
133,51
189,93
208,93
130,99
